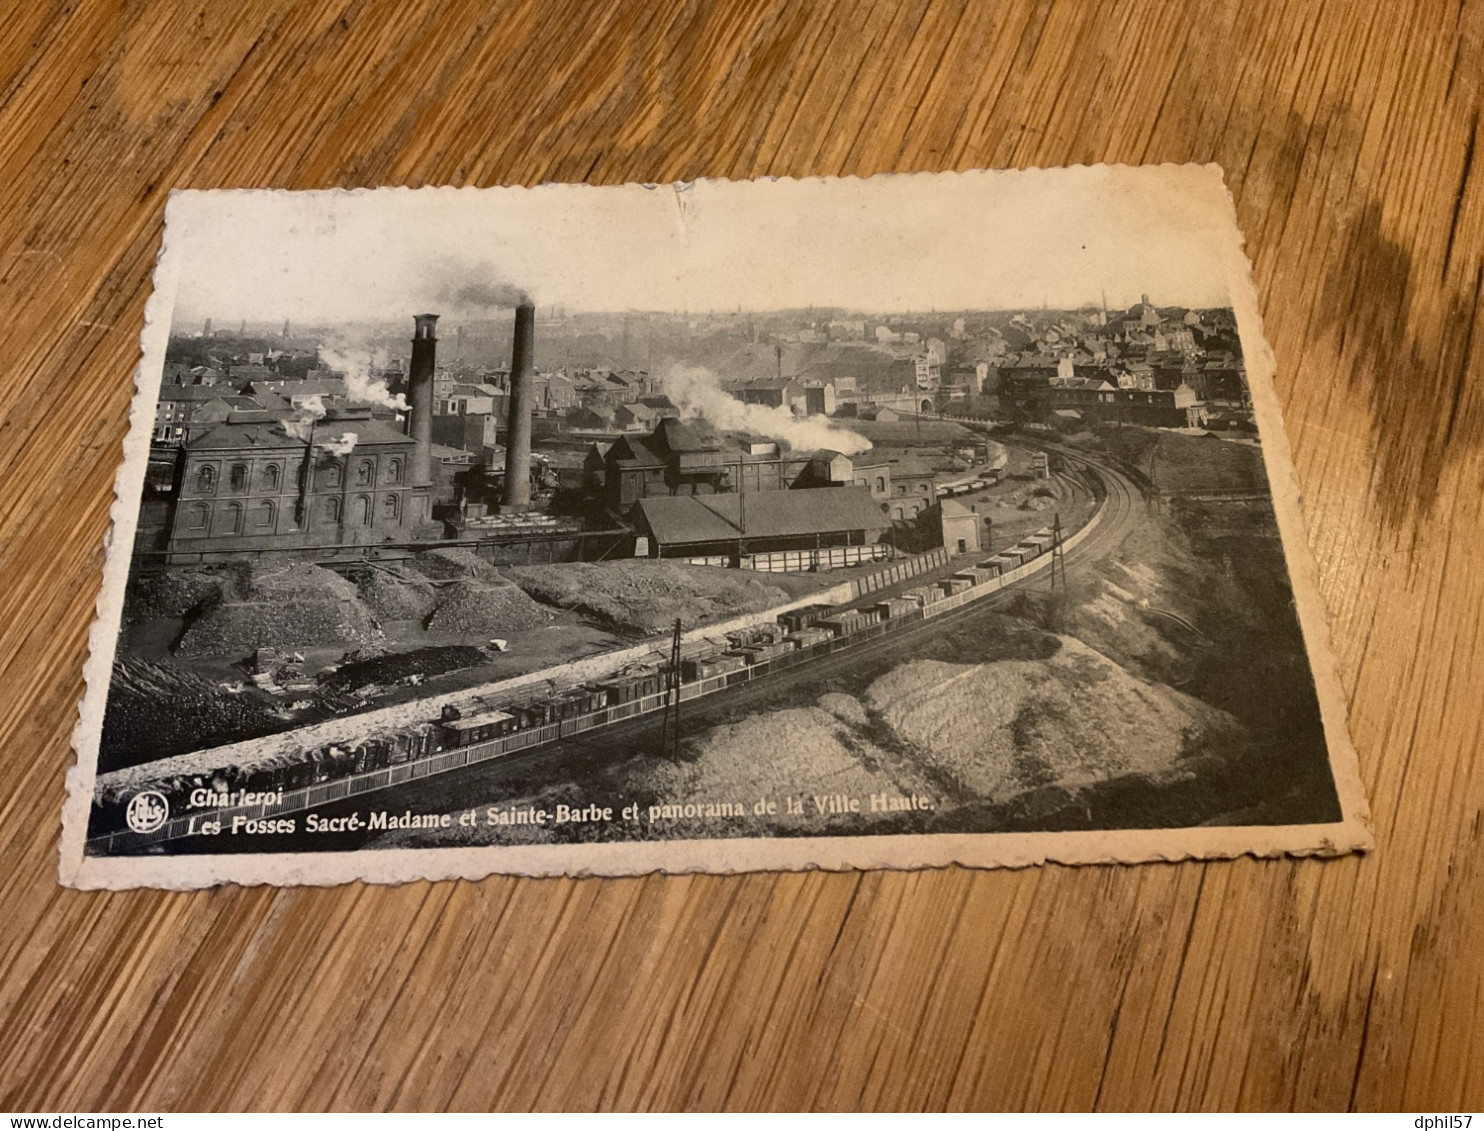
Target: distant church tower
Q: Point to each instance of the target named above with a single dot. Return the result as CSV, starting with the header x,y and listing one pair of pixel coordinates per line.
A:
x,y
285,329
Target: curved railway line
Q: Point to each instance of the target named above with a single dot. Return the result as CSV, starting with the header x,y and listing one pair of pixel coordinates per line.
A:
x,y
585,740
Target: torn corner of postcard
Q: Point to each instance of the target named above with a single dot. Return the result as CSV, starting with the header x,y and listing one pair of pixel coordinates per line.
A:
x,y
882,523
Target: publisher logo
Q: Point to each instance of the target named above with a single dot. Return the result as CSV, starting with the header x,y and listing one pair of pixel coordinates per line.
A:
x,y
147,811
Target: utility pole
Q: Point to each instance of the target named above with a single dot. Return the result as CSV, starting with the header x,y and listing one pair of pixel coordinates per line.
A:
x,y
1058,555
742,506
670,731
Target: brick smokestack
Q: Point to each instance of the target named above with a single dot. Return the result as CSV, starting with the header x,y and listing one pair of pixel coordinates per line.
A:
x,y
518,430
420,397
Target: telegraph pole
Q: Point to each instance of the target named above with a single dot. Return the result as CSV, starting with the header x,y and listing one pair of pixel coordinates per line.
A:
x,y
1058,555
670,731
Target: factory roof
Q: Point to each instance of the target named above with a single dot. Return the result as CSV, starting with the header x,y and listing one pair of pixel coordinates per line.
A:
x,y
903,464
689,519
272,435
288,387
190,393
680,436
256,435
627,450
368,430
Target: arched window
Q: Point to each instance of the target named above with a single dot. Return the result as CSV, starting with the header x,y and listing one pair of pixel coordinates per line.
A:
x,y
206,481
896,512
390,507
331,475
365,472
270,477
228,520
198,516
265,512
394,471
332,510
881,483
237,477
363,510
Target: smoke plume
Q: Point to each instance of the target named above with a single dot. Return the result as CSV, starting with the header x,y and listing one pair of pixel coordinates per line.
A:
x,y
361,369
337,447
479,295
301,427
697,393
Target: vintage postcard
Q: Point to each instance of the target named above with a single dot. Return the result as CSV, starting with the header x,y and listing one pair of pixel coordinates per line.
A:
x,y
721,526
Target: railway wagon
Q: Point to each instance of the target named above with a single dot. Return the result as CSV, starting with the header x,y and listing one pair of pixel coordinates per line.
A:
x,y
992,566
759,653
795,619
809,637
954,585
894,608
557,708
755,634
973,575
396,748
851,620
710,666
924,595
480,727
630,687
585,700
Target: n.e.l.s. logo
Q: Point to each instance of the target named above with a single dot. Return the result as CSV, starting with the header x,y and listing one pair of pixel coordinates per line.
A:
x,y
147,811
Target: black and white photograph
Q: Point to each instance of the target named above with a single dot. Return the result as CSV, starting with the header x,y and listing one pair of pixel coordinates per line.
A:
x,y
718,526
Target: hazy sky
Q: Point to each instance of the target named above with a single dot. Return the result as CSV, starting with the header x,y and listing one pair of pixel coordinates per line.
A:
x,y
973,241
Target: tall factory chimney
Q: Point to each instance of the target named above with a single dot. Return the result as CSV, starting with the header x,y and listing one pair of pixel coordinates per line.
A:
x,y
517,495
420,397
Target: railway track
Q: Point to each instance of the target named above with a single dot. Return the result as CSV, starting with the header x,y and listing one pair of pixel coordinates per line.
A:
x,y
1120,497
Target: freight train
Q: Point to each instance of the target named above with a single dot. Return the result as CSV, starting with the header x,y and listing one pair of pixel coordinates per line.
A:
x,y
479,729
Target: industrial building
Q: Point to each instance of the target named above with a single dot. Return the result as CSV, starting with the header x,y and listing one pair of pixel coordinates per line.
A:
x,y
1032,397
692,458
736,524
253,487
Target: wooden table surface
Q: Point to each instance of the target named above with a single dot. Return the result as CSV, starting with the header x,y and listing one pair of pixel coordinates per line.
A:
x,y
1349,133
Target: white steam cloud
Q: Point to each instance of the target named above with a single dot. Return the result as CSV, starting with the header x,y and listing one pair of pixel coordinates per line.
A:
x,y
301,427
361,369
311,410
697,393
341,447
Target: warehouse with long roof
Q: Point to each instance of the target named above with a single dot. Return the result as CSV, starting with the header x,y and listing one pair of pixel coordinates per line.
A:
x,y
738,523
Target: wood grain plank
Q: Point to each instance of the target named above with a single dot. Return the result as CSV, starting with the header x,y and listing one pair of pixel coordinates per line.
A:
x,y
1350,137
